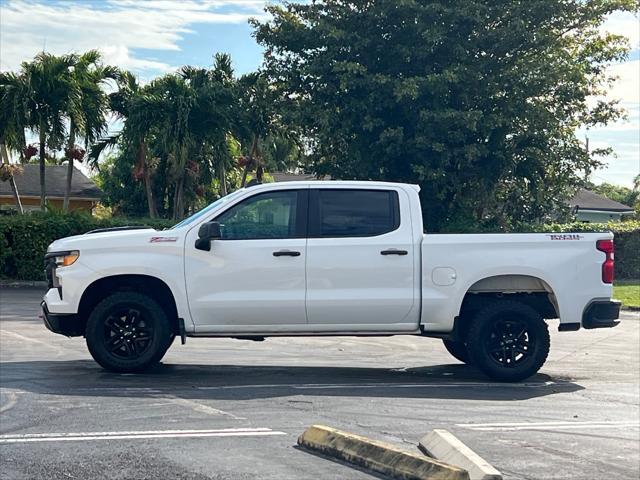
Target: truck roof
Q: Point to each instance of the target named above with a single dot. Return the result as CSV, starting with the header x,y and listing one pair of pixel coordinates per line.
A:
x,y
355,183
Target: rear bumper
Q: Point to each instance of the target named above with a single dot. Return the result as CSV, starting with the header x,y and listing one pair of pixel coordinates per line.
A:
x,y
601,314
64,324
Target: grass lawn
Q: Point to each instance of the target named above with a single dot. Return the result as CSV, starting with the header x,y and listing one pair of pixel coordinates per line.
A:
x,y
627,291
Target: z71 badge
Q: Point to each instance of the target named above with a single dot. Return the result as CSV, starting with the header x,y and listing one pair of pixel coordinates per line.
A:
x,y
565,236
163,239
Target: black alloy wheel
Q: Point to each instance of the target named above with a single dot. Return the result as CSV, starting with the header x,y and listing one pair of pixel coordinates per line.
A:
x,y
509,343
128,332
508,340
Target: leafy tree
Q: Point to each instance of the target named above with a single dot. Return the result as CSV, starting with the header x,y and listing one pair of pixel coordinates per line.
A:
x,y
122,192
282,152
477,100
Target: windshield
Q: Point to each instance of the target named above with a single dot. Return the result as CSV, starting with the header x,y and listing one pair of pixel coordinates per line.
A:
x,y
207,209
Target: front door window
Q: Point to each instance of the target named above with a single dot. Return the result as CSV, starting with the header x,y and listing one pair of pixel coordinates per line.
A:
x,y
263,216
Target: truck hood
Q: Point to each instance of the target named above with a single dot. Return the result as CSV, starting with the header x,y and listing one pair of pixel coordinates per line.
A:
x,y
113,238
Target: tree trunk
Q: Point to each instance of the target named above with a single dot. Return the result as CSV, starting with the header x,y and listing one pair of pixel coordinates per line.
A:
x,y
244,176
67,190
12,182
178,199
253,157
148,185
43,193
222,177
148,188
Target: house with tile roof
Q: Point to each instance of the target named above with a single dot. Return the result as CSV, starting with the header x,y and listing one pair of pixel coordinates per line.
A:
x,y
84,192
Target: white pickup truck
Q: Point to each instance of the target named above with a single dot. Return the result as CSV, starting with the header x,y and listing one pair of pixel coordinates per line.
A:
x,y
326,258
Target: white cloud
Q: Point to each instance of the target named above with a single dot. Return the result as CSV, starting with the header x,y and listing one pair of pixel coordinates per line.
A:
x,y
624,23
117,27
119,55
627,87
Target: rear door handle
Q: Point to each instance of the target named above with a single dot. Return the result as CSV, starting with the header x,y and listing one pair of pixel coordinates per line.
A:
x,y
393,251
286,253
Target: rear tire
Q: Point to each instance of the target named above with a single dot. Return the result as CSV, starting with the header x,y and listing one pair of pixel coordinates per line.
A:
x,y
128,332
458,350
508,341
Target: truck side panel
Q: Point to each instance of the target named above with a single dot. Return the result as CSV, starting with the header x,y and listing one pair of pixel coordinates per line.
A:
x,y
568,266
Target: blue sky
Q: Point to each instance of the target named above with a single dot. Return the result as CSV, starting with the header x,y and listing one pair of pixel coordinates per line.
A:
x,y
151,37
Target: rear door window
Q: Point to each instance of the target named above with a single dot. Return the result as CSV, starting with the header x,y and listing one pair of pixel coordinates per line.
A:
x,y
353,212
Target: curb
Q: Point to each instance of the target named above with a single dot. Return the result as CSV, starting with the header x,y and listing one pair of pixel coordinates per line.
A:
x,y
446,447
23,284
377,456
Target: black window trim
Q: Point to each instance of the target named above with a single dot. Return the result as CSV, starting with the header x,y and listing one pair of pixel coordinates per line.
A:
x,y
313,228
302,214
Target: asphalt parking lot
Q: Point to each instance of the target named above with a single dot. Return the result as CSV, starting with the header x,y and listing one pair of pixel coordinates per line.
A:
x,y
232,409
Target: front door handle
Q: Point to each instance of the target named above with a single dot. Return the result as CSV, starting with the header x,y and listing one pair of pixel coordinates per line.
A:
x,y
286,253
393,251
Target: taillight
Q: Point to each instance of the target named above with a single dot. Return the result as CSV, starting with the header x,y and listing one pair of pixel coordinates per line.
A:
x,y
606,246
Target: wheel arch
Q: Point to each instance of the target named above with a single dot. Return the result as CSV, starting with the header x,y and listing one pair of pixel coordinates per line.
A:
x,y
149,285
531,290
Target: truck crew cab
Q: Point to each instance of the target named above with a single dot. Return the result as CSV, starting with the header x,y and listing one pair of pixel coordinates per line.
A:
x,y
326,258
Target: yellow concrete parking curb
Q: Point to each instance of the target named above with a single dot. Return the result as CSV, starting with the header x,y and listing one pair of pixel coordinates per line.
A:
x,y
377,456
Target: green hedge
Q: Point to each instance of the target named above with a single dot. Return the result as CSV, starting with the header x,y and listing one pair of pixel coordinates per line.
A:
x,y
24,238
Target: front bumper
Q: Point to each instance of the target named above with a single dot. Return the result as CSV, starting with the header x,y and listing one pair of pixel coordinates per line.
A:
x,y
601,314
64,324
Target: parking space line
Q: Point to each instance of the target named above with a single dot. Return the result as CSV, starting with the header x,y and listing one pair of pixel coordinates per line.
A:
x,y
421,385
319,386
510,427
329,386
128,435
27,339
197,407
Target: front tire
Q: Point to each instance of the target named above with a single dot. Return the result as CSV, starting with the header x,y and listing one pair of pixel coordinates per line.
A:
x,y
508,341
128,332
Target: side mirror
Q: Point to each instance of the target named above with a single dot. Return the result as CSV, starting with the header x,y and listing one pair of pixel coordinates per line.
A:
x,y
207,232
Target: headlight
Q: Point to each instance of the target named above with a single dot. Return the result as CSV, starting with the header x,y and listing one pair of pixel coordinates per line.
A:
x,y
64,259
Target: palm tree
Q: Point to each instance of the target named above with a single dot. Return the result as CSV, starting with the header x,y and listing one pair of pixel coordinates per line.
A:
x,y
140,108
282,152
12,126
90,121
174,134
256,119
212,114
49,95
